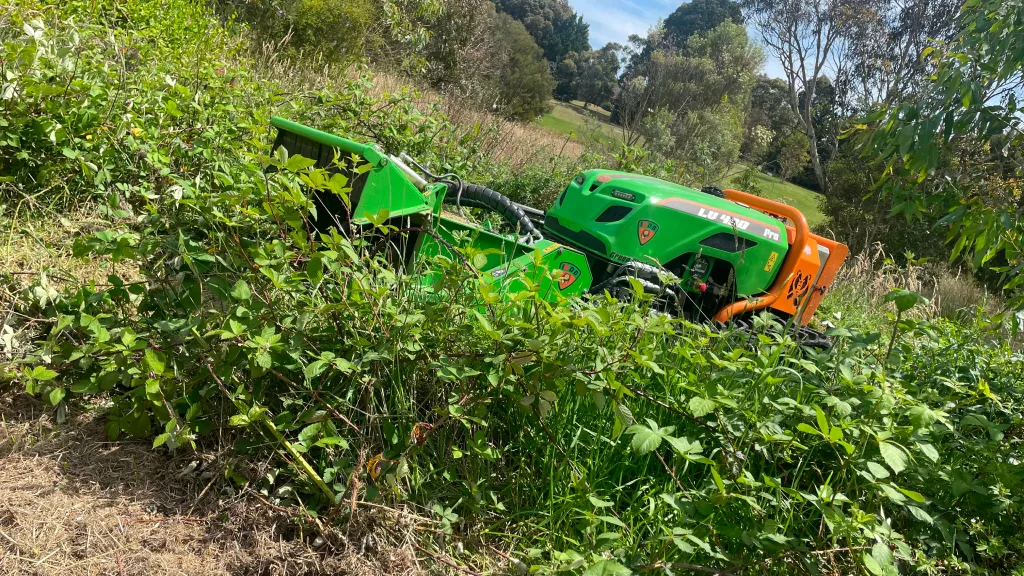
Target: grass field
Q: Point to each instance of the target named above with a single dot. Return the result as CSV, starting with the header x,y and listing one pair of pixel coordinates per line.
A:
x,y
590,126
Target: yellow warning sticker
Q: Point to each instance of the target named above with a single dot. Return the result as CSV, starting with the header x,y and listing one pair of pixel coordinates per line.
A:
x,y
771,261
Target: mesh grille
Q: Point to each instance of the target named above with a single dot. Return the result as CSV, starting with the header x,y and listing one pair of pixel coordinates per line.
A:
x,y
727,242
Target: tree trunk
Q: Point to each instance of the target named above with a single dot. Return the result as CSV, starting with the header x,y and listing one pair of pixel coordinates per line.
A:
x,y
807,123
819,169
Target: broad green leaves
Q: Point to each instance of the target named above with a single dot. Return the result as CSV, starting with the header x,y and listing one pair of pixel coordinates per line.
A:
x,y
647,438
894,456
607,568
222,308
700,407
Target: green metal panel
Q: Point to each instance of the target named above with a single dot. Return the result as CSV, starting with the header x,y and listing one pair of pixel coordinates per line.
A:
x,y
555,270
664,221
386,187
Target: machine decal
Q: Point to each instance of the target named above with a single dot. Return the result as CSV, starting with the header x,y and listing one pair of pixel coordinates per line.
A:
x,y
759,229
771,261
646,230
798,288
570,272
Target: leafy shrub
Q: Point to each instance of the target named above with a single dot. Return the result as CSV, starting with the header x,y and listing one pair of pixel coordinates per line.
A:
x,y
861,220
337,27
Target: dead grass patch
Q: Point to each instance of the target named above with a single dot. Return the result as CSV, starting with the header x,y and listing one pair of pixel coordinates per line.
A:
x,y
73,503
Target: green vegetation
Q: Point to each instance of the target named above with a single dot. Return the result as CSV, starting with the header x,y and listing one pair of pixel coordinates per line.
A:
x,y
590,438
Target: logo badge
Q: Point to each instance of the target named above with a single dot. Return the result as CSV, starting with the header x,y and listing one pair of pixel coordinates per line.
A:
x,y
570,273
646,230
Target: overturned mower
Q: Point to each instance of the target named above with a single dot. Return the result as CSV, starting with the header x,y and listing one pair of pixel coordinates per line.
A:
x,y
706,255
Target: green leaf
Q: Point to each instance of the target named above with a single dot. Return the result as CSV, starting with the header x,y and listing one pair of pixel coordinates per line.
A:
x,y
607,568
894,456
612,520
921,417
155,360
718,480
822,421
877,470
920,514
598,503
929,451
159,440
241,291
56,395
314,369
43,373
882,554
700,407
915,496
683,446
804,427
297,162
310,432
904,299
872,565
906,139
645,440
332,441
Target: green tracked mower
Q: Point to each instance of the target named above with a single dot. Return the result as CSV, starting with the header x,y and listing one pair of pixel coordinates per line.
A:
x,y
706,255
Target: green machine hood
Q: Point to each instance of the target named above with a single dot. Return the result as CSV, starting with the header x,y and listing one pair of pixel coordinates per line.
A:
x,y
619,217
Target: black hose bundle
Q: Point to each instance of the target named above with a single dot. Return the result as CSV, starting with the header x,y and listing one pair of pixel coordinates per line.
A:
x,y
476,196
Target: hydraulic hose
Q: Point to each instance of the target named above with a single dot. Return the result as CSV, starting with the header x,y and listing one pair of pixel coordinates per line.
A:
x,y
476,196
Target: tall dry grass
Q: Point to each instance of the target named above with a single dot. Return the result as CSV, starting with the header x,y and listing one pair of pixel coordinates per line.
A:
x,y
952,293
516,144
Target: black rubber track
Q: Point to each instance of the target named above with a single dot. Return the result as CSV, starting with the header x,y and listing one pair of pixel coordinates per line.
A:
x,y
476,196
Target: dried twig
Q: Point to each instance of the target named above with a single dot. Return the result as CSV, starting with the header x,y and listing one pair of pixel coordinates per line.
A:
x,y
445,561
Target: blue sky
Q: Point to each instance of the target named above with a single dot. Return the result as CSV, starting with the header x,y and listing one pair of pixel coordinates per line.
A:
x,y
615,20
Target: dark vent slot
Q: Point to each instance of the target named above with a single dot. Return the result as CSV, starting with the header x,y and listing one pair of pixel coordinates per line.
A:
x,y
728,242
595,186
582,238
562,197
614,213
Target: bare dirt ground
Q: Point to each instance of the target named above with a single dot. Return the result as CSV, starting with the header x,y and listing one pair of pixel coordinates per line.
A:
x,y
73,503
